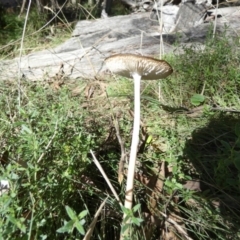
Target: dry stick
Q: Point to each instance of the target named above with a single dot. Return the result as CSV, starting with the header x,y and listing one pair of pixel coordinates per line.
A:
x,y
93,223
22,7
160,21
176,225
90,14
123,153
49,143
21,48
39,6
141,42
89,60
215,22
161,46
203,89
20,55
32,215
56,15
105,177
224,109
121,143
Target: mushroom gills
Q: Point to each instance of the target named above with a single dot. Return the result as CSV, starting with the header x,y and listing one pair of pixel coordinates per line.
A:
x,y
149,68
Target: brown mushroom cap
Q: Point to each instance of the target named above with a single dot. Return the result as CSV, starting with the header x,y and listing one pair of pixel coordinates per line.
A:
x,y
148,68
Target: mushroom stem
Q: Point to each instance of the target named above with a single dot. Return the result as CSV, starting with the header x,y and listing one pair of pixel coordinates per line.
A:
x,y
134,145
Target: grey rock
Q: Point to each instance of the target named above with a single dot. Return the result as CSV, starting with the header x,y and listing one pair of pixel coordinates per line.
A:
x,y
169,15
4,187
190,14
92,41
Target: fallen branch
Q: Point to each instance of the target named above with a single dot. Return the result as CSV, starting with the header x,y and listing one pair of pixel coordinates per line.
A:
x,y
105,177
93,223
176,225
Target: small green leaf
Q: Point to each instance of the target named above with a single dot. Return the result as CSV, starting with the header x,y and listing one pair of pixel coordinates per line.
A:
x,y
137,221
12,219
126,211
25,129
14,176
82,222
178,186
124,228
127,218
17,222
71,213
67,227
226,145
149,139
237,159
80,228
83,214
197,99
135,208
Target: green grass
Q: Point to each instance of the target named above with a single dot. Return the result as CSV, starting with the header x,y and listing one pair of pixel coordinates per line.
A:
x,y
44,30
45,152
36,38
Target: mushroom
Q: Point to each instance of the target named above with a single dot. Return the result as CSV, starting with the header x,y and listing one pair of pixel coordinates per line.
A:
x,y
138,67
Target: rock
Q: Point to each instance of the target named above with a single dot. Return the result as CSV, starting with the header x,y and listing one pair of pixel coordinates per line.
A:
x,y
190,15
92,41
228,18
169,16
4,187
207,3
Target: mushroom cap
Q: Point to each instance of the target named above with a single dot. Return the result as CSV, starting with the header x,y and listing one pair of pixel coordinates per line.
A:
x,y
148,68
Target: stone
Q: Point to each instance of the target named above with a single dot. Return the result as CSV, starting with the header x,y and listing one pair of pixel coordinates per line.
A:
x,y
169,15
92,41
190,15
4,187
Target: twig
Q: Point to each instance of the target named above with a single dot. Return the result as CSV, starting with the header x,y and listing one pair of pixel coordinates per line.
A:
x,y
160,21
85,9
105,177
20,55
93,223
22,7
203,89
176,225
49,143
141,42
32,215
56,15
199,110
215,22
123,152
224,110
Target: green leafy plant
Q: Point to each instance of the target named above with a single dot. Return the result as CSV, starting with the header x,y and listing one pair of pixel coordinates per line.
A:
x,y
187,172
77,221
130,221
197,99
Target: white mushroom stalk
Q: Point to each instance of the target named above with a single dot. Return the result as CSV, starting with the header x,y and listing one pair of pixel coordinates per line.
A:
x,y
134,144
138,67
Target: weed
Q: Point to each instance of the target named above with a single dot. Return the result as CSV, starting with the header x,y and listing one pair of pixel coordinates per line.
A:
x,y
37,37
187,174
47,148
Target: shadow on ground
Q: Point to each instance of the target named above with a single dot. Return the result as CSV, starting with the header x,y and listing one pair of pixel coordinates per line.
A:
x,y
214,152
